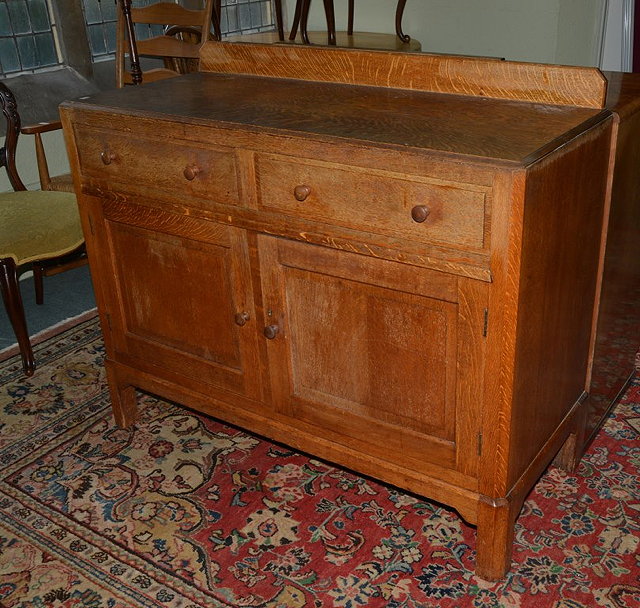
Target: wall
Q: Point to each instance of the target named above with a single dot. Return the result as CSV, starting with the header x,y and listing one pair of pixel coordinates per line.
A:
x,y
545,31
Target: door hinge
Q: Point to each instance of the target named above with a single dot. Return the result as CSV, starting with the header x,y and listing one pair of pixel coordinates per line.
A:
x,y
480,443
108,316
91,224
485,327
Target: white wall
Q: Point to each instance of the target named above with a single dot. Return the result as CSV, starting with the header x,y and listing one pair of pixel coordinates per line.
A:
x,y
544,31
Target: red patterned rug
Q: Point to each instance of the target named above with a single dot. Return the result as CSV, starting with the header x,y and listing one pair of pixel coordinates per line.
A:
x,y
185,511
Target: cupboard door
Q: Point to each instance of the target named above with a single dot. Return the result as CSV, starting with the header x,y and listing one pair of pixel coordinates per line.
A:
x,y
184,297
383,354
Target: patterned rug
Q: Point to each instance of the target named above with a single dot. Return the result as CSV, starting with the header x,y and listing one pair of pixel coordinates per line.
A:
x,y
185,511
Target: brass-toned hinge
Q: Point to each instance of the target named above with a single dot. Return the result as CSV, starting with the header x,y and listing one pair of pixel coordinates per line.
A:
x,y
479,443
485,327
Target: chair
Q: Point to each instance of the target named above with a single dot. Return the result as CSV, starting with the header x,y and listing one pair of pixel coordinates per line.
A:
x,y
301,16
170,45
57,183
36,228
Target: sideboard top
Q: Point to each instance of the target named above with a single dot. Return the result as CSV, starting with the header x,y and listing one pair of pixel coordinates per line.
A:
x,y
505,131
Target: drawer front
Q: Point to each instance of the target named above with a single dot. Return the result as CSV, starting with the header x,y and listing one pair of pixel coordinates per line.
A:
x,y
407,207
165,165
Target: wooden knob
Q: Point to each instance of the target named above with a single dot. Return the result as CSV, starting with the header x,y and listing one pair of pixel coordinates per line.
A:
x,y
301,192
271,331
241,318
420,213
107,157
190,172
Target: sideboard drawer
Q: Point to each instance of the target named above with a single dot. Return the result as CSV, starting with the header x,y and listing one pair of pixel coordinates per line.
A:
x,y
165,165
381,202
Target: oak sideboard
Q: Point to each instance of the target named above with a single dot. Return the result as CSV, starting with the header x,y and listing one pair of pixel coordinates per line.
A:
x,y
391,261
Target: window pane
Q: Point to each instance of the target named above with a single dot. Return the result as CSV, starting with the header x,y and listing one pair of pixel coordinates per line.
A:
x,y
46,50
9,56
5,26
92,11
109,11
96,40
110,35
27,52
39,16
256,15
244,17
19,17
230,20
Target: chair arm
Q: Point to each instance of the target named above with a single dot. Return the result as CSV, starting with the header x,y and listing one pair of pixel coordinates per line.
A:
x,y
41,127
37,130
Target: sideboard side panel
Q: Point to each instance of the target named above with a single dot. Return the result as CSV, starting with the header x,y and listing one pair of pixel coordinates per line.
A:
x,y
562,226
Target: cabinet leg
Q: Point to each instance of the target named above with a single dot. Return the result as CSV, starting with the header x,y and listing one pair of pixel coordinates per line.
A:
x,y
572,449
496,521
123,399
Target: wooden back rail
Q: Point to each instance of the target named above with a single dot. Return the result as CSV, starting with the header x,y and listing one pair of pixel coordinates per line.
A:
x,y
482,77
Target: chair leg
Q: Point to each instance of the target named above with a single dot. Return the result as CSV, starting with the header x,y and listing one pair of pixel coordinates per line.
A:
x,y
279,20
10,289
38,283
331,22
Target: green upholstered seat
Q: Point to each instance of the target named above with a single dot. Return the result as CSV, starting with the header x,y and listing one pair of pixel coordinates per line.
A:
x,y
38,225
39,230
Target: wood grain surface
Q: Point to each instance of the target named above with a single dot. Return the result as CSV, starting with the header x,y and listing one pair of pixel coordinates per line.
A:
x,y
537,83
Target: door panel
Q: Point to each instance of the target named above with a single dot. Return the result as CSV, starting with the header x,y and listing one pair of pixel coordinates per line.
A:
x,y
372,350
180,290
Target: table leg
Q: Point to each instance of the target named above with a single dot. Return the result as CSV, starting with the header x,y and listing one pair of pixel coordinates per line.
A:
x,y
296,19
123,398
304,18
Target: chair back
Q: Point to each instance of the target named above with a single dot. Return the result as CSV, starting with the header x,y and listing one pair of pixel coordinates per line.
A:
x,y
178,51
8,149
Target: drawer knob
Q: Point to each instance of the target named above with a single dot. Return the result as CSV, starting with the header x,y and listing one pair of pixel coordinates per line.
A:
x,y
107,157
271,331
301,192
241,318
420,213
190,172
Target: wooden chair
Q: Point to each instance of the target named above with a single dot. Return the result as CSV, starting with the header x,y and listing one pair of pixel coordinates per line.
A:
x,y
301,17
171,45
36,228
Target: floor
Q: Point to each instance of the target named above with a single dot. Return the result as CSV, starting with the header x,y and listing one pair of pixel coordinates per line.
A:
x,y
66,295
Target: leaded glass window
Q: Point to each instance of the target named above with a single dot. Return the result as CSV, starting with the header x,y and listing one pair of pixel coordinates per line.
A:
x,y
27,37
